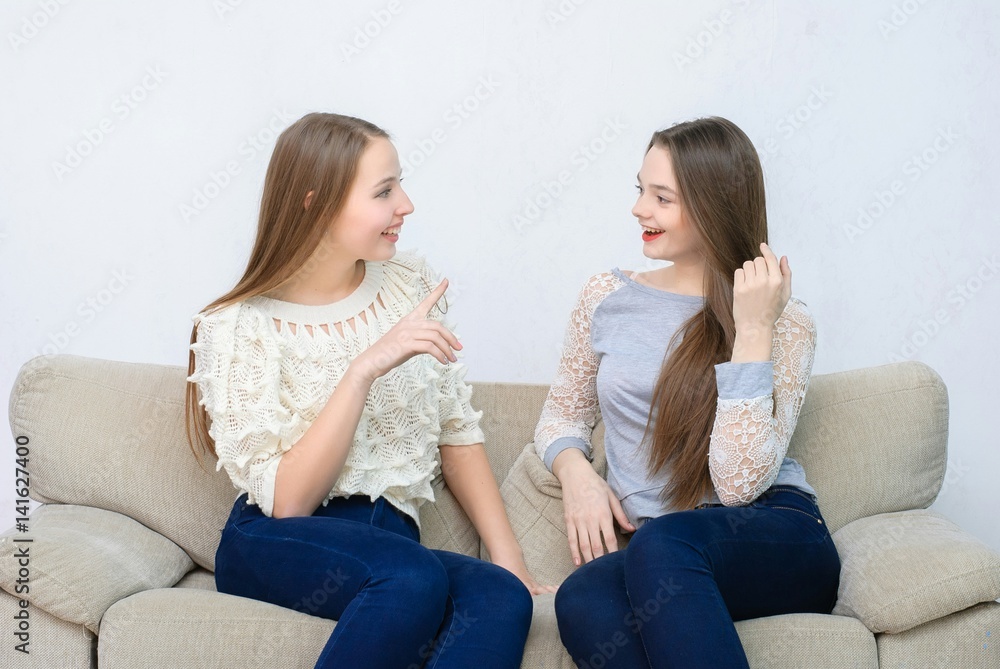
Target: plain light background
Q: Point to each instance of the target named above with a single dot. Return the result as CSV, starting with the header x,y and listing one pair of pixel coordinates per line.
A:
x,y
135,138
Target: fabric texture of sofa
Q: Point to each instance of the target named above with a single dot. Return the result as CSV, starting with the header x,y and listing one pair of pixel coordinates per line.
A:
x,y
118,569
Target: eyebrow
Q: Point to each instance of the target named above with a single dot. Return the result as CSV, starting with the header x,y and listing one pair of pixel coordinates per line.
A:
x,y
657,186
386,180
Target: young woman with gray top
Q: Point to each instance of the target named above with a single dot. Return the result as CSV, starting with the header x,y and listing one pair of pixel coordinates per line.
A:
x,y
699,370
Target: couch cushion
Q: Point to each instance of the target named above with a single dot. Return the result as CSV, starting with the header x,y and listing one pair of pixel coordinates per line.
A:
x,y
192,628
510,413
873,440
964,639
807,640
52,643
82,560
900,570
110,435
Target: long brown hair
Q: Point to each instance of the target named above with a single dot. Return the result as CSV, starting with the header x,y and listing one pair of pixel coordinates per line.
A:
x,y
318,153
721,191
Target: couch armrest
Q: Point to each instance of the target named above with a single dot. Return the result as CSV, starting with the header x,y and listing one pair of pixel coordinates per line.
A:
x,y
81,560
903,569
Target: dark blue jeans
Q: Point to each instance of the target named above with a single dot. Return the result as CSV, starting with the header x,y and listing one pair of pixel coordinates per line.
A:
x,y
398,604
669,599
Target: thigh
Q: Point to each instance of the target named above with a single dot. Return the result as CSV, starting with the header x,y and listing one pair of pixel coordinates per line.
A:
x,y
487,617
774,556
314,564
597,622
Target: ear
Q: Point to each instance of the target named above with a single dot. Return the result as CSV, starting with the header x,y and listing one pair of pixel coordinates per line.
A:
x,y
309,197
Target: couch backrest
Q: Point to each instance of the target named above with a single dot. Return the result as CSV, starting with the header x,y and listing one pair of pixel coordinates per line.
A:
x,y
111,435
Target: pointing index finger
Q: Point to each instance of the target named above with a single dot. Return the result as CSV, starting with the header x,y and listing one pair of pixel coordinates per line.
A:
x,y
428,303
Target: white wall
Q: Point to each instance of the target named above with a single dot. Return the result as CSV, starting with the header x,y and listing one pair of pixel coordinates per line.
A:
x,y
885,107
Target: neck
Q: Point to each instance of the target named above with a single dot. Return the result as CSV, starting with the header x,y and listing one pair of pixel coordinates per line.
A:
x,y
685,278
324,278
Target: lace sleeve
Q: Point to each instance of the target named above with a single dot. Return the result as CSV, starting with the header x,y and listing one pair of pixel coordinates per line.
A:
x,y
571,409
752,429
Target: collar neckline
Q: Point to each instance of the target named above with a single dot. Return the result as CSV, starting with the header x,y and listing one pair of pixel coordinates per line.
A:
x,y
335,312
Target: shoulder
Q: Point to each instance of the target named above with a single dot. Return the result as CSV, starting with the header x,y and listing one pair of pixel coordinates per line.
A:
x,y
598,287
224,327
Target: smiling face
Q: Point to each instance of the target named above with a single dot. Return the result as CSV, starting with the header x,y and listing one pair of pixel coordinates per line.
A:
x,y
368,226
666,232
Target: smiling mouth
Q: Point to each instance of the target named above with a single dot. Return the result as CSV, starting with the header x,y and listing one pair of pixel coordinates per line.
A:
x,y
649,234
392,232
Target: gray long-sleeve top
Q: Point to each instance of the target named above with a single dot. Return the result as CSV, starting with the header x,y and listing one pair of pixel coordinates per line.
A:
x,y
612,355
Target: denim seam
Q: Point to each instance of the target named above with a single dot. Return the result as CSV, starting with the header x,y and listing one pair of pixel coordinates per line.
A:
x,y
440,638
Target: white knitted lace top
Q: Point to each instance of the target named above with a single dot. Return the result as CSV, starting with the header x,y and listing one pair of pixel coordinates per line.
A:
x,y
265,368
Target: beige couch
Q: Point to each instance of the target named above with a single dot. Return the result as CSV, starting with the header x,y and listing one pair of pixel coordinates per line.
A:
x,y
120,563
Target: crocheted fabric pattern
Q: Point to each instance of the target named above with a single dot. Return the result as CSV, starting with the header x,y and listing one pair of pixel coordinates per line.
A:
x,y
265,368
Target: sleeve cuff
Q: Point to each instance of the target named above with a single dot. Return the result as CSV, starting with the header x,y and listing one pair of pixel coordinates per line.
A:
x,y
560,445
744,380
466,438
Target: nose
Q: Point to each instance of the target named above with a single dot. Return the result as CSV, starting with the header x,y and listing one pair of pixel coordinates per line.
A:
x,y
639,209
406,206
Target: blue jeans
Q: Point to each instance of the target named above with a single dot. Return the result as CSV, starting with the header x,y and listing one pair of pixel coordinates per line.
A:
x,y
670,598
397,603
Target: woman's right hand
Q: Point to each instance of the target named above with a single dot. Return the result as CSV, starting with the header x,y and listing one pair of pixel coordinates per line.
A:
x,y
590,507
412,335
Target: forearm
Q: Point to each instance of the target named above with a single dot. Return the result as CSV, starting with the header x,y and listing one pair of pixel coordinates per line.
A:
x,y
752,346
308,471
467,472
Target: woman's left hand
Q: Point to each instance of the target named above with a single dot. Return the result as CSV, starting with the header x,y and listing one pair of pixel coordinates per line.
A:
x,y
761,289
516,566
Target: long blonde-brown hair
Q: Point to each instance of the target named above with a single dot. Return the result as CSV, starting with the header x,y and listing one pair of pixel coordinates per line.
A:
x,y
721,189
318,153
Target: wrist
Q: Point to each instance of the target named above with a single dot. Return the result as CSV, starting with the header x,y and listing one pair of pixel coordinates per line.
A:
x,y
359,374
568,460
506,552
752,346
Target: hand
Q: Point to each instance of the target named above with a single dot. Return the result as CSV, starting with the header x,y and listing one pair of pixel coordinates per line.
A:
x,y
590,508
515,565
761,289
412,335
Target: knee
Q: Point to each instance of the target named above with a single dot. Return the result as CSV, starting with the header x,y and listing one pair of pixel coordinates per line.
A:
x,y
574,600
419,581
506,591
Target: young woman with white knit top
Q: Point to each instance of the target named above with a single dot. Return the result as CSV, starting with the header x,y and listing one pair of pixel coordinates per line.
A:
x,y
334,394
698,370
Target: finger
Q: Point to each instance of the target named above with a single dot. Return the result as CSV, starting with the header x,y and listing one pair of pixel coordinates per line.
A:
x,y
586,547
739,278
428,302
596,546
433,343
786,276
608,532
574,542
773,267
750,270
619,512
444,332
760,266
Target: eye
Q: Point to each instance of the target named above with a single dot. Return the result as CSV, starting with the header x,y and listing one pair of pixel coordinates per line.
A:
x,y
639,188
384,194
662,200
